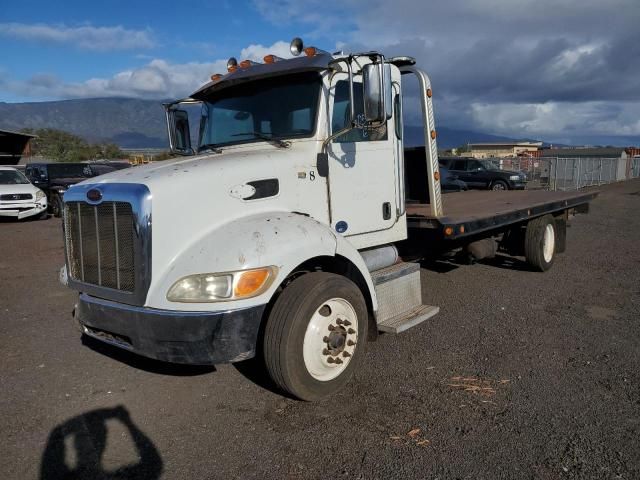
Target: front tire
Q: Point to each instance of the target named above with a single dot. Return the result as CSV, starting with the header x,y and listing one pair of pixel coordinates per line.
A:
x,y
56,206
540,242
315,335
499,185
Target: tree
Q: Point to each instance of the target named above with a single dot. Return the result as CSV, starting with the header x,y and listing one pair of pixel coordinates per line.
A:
x,y
62,146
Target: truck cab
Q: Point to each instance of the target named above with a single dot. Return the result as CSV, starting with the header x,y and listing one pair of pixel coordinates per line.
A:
x,y
276,231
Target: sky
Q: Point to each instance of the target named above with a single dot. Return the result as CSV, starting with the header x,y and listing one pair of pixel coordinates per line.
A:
x,y
558,70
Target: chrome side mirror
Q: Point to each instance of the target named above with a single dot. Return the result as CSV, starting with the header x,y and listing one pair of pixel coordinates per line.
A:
x,y
377,92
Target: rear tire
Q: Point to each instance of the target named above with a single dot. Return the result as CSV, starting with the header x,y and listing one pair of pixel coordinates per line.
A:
x,y
315,335
540,242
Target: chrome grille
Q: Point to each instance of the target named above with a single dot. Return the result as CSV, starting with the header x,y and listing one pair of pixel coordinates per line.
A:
x,y
100,244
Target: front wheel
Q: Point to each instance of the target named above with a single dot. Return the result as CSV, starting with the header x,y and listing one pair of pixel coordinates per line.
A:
x,y
56,206
499,185
315,334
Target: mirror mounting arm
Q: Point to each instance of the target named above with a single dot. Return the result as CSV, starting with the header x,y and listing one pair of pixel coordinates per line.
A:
x,y
352,111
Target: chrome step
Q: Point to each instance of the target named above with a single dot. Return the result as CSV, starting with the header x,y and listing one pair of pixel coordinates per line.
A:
x,y
408,319
399,293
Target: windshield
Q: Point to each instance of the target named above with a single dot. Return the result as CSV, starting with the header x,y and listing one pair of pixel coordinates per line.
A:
x,y
12,177
489,165
71,170
281,107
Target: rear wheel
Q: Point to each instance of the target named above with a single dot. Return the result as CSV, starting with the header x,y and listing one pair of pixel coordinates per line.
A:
x,y
315,334
540,242
499,185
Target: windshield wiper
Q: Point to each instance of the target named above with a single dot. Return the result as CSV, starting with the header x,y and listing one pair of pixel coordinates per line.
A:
x,y
276,141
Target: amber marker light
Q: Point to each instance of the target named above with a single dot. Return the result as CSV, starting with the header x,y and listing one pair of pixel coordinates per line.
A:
x,y
216,77
271,59
253,282
433,134
436,175
448,231
310,51
429,93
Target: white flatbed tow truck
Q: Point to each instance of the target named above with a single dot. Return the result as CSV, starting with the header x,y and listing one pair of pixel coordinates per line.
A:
x,y
279,232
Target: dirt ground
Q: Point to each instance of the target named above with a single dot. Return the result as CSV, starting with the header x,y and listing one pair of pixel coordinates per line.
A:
x,y
521,375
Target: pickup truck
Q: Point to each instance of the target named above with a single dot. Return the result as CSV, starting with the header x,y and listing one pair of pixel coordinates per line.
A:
x,y
282,231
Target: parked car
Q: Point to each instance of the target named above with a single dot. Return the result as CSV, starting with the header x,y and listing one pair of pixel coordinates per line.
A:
x,y
450,182
484,174
18,197
55,178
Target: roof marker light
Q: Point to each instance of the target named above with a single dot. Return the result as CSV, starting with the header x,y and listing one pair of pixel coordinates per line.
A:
x,y
272,59
215,77
247,63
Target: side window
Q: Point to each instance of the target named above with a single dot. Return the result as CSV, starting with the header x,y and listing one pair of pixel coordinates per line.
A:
x,y
397,115
340,116
459,165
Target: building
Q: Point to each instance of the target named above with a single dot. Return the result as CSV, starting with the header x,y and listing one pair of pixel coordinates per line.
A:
x,y
606,152
503,149
14,146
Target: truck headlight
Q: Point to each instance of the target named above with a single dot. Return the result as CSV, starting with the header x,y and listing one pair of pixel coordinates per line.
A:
x,y
514,177
39,195
218,287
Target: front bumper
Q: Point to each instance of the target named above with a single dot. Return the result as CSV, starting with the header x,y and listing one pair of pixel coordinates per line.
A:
x,y
199,338
518,185
22,210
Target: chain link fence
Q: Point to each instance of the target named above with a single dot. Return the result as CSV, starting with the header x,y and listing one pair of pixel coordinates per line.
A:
x,y
554,173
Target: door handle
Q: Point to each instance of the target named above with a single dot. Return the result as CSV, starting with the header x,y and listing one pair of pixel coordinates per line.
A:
x,y
386,210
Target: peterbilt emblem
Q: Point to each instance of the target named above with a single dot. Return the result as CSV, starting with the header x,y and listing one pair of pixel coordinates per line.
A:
x,y
94,195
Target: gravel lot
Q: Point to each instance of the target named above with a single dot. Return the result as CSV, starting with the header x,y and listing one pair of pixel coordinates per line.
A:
x,y
521,375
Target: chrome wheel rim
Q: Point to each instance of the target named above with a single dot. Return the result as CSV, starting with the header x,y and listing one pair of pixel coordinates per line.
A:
x,y
549,243
330,339
498,186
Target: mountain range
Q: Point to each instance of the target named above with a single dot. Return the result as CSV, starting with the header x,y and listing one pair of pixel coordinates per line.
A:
x,y
137,123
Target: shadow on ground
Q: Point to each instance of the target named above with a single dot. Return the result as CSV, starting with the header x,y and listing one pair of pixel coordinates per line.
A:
x,y
76,447
143,363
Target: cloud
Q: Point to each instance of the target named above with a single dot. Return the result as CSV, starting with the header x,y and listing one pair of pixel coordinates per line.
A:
x,y
519,68
85,37
258,52
157,79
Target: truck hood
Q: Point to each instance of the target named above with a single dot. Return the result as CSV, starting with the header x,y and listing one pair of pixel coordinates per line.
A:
x,y
194,196
189,173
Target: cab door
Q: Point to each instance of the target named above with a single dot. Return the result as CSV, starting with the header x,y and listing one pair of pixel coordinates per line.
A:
x,y
362,171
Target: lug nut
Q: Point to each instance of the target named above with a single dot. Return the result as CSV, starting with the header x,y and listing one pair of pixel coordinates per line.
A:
x,y
339,322
346,354
326,352
351,343
351,331
338,360
325,339
331,360
331,328
346,323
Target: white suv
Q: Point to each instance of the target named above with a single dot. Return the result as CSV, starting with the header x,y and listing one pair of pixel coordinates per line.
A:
x,y
18,197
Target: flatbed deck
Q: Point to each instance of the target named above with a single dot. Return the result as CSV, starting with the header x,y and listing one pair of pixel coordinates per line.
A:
x,y
475,211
